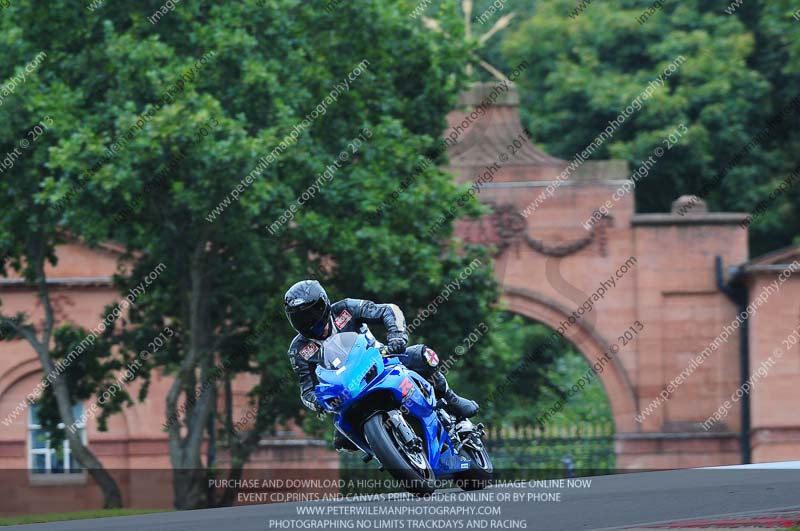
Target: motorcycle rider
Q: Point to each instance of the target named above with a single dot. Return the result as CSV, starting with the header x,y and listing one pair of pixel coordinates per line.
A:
x,y
315,319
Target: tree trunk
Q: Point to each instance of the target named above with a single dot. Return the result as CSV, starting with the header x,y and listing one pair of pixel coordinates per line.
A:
x,y
242,447
112,497
211,451
237,466
190,478
240,454
189,487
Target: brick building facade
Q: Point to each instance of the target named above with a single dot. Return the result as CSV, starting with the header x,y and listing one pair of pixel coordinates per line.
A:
x,y
135,447
557,249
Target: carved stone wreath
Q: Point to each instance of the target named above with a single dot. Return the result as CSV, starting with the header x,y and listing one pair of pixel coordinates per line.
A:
x,y
510,227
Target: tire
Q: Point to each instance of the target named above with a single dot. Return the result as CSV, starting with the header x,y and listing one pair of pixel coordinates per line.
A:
x,y
479,476
383,445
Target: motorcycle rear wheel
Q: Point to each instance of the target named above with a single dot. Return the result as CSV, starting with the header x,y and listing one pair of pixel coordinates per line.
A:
x,y
412,471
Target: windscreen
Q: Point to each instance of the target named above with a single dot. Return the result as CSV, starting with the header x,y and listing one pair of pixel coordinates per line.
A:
x,y
336,349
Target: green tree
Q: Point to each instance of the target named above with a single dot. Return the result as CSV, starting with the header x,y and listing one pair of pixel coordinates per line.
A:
x,y
523,378
585,70
776,28
41,100
94,372
512,371
165,120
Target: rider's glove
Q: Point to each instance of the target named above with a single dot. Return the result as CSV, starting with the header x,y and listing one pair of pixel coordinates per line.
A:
x,y
396,344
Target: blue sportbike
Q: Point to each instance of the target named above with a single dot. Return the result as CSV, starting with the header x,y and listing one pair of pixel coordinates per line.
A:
x,y
391,413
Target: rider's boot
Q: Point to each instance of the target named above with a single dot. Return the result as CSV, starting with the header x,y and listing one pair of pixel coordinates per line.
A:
x,y
462,408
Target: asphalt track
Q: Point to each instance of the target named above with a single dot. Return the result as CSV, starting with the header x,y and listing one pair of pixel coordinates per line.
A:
x,y
608,502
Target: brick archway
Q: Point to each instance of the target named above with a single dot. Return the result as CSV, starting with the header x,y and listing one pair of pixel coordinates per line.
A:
x,y
20,370
589,343
562,231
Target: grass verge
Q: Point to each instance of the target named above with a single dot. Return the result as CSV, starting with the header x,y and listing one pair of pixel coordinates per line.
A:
x,y
78,515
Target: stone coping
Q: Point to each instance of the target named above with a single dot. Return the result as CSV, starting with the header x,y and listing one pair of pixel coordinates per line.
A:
x,y
705,218
685,435
62,281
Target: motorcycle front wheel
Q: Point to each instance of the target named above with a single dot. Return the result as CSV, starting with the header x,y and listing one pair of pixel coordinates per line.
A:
x,y
410,468
480,473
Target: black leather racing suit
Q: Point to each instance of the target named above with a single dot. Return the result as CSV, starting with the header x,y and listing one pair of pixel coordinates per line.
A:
x,y
351,315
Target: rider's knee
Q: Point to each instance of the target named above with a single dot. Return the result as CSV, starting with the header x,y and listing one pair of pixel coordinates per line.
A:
x,y
421,359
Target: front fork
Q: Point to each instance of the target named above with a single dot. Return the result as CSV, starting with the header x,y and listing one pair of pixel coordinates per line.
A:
x,y
462,433
469,434
408,438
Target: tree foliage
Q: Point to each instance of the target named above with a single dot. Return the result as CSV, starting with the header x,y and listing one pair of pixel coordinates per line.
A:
x,y
234,148
524,380
41,101
156,124
737,75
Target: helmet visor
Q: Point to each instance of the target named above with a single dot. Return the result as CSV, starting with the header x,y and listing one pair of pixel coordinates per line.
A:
x,y
309,320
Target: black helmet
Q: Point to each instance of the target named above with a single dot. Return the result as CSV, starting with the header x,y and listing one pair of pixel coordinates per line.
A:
x,y
308,308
